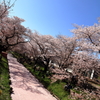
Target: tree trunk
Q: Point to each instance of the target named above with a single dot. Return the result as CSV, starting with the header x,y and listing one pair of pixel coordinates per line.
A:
x,y
46,65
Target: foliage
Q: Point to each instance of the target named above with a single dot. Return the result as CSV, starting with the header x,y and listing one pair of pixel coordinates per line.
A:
x,y
5,90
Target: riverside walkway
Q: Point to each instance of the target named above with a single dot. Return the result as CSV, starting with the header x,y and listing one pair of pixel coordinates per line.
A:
x,y
25,86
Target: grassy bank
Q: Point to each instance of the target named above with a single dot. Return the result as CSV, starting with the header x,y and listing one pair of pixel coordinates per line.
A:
x,y
4,80
56,88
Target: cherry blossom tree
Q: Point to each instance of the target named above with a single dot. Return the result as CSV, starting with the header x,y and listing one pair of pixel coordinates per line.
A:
x,y
86,57
88,37
41,49
5,7
84,61
66,49
46,49
11,30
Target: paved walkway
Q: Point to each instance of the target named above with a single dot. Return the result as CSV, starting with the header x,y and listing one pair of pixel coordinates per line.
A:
x,y
24,84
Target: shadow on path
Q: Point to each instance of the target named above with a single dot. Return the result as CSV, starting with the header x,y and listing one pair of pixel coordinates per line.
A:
x,y
22,78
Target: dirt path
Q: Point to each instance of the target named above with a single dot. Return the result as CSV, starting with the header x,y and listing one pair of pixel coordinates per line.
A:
x,y
24,84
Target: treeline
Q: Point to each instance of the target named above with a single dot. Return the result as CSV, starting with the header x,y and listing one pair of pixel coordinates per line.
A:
x,y
80,52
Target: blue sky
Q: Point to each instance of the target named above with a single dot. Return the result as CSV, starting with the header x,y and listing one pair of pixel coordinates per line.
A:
x,y
55,17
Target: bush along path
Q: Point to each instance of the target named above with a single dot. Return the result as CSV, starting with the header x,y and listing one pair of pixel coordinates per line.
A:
x,y
25,85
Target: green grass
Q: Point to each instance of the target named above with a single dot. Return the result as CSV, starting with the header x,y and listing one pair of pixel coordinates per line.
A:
x,y
99,78
77,91
4,80
56,88
39,75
